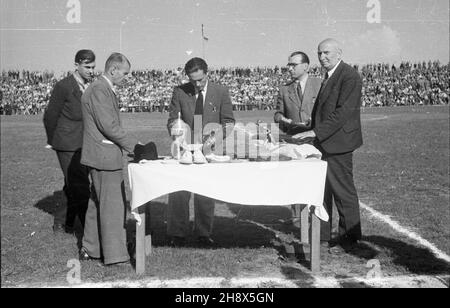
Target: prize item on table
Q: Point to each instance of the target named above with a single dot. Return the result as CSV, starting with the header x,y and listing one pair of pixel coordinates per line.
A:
x,y
178,127
213,158
147,152
192,154
199,158
177,131
284,151
209,142
175,149
298,152
186,158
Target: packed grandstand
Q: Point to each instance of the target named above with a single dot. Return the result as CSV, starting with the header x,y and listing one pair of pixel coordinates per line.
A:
x,y
425,83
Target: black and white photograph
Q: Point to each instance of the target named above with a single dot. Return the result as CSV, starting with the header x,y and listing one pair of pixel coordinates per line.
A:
x,y
226,151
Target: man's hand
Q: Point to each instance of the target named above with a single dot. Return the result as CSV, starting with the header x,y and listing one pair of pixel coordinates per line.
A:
x,y
307,134
178,128
280,118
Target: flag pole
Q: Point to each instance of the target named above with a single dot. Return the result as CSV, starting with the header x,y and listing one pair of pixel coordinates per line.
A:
x,y
203,44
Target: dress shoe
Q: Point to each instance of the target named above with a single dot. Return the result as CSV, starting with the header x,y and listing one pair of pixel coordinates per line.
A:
x,y
349,244
58,228
84,256
205,241
177,241
69,229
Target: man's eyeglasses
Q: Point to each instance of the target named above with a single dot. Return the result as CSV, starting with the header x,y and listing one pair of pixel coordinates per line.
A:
x,y
293,64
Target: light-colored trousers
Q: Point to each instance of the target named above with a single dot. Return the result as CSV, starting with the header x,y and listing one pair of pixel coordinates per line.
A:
x,y
105,227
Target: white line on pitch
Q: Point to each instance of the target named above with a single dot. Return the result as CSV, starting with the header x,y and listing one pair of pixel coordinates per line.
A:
x,y
412,235
376,119
260,282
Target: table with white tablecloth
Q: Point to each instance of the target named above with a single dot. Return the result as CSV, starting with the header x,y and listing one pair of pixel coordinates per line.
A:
x,y
276,183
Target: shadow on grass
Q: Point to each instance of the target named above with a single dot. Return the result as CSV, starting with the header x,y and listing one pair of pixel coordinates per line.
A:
x,y
52,203
417,260
240,231
228,232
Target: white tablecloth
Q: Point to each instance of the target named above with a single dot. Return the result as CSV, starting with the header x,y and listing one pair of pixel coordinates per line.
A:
x,y
248,183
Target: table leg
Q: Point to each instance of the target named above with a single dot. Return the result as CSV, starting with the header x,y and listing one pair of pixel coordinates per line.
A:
x,y
304,224
140,242
148,238
296,215
315,242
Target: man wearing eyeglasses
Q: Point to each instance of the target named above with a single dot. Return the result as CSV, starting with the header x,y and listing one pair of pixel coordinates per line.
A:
x,y
295,103
296,99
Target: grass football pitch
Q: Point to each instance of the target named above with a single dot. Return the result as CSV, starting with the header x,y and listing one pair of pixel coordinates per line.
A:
x,y
401,171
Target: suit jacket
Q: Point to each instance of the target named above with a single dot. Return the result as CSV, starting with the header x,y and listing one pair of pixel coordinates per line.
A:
x,y
103,138
336,116
290,106
216,109
62,119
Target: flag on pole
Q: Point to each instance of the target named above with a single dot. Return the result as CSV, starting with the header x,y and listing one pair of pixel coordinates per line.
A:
x,y
203,34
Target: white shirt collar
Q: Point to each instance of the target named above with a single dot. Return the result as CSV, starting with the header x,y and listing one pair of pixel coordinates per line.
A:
x,y
110,84
330,72
80,82
205,89
303,81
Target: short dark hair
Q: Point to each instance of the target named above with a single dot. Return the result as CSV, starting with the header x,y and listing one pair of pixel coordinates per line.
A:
x,y
194,65
115,58
84,56
305,58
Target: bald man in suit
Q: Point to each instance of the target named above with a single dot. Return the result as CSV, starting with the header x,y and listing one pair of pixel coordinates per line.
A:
x,y
336,127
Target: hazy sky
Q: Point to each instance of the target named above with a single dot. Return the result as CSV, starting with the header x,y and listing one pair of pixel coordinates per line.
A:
x,y
36,34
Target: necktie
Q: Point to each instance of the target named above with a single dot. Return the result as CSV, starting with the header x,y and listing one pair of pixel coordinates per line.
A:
x,y
324,83
300,92
199,103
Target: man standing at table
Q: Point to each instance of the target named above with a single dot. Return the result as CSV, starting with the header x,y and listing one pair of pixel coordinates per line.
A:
x,y
207,102
336,126
104,140
296,99
64,127
295,103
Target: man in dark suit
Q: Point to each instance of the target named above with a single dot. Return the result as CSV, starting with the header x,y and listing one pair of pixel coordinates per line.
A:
x,y
64,127
206,102
104,140
296,99
336,126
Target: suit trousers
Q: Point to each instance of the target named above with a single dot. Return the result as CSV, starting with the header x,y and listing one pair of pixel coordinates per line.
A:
x,y
76,187
105,228
341,188
178,214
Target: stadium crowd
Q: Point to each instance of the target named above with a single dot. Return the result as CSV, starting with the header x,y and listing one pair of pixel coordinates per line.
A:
x,y
426,83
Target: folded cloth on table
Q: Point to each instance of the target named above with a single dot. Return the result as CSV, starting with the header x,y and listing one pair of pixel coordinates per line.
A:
x,y
297,152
